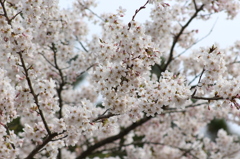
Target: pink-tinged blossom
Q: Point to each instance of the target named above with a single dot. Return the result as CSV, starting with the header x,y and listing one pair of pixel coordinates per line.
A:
x,y
121,11
129,88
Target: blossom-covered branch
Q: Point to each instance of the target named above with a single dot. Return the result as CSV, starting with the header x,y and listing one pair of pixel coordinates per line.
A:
x,y
129,89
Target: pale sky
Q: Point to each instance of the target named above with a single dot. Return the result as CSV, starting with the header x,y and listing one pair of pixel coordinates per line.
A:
x,y
225,32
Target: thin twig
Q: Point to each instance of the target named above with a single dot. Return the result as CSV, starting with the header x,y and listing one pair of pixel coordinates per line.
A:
x,y
199,80
15,16
208,98
101,117
150,143
46,59
90,11
84,48
136,12
193,79
195,105
176,110
197,41
59,138
87,69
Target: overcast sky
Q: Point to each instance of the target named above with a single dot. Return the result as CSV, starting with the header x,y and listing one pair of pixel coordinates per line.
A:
x,y
225,32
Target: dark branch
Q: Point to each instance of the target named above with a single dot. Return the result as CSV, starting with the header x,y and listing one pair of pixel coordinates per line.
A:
x,y
113,138
195,4
197,41
176,38
104,116
35,96
87,69
62,82
208,98
136,12
39,147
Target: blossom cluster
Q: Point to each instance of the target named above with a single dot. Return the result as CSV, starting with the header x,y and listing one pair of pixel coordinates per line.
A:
x,y
128,90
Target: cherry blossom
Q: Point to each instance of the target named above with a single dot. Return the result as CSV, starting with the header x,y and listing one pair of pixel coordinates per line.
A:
x,y
128,92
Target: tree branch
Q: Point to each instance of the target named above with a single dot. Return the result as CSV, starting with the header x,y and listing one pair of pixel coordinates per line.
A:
x,y
39,147
84,48
199,81
104,116
175,40
35,96
136,12
195,4
197,41
62,83
113,138
95,14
